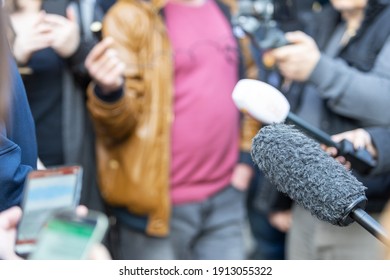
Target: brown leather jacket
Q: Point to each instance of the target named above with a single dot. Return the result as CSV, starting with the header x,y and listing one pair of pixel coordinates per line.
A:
x,y
133,133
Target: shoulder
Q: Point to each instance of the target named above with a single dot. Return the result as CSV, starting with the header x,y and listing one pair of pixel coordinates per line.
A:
x,y
129,10
130,16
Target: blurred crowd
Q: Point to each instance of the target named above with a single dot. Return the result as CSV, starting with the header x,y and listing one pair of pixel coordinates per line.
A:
x,y
139,93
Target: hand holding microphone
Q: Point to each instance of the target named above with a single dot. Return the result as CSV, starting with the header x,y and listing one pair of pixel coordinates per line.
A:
x,y
268,105
298,167
359,138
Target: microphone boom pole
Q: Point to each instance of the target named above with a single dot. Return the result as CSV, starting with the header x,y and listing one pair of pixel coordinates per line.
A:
x,y
370,224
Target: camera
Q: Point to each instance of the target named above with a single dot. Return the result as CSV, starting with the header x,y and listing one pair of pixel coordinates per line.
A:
x,y
257,19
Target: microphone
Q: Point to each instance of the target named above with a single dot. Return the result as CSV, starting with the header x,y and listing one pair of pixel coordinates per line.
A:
x,y
298,167
268,105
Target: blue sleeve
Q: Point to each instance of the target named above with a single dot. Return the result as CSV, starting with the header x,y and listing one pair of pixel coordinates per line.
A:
x,y
18,148
12,173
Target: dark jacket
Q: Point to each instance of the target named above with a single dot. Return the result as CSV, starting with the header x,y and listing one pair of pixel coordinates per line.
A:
x,y
349,87
18,149
380,137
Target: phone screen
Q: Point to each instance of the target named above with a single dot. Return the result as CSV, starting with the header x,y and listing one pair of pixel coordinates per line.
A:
x,y
46,191
57,7
70,237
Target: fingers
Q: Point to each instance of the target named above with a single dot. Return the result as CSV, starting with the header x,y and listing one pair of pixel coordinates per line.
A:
x,y
99,252
104,66
40,19
98,51
358,137
297,60
41,29
10,218
281,220
332,151
111,75
343,161
71,14
100,66
362,139
360,142
294,38
297,37
291,53
82,210
282,53
53,19
349,135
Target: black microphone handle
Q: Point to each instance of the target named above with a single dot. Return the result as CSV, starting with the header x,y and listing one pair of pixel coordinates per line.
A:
x,y
360,159
313,131
370,224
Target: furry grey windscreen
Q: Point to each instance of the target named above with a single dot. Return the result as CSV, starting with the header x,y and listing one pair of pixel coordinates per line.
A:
x,y
298,167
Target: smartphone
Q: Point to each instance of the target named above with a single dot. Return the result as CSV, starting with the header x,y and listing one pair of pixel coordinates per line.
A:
x,y
46,192
68,236
57,7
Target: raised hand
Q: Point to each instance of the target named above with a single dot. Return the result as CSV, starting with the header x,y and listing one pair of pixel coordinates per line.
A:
x,y
64,33
104,66
297,60
31,38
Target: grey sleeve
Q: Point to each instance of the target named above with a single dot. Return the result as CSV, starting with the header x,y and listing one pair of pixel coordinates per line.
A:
x,y
380,137
351,93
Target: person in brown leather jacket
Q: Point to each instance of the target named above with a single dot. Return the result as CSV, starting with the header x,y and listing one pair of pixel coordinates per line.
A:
x,y
171,139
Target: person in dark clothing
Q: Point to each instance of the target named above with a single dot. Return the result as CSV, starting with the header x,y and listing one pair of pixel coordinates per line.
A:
x,y
106,4
18,149
50,50
339,79
269,240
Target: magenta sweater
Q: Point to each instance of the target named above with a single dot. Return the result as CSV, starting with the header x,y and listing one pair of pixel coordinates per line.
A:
x,y
205,132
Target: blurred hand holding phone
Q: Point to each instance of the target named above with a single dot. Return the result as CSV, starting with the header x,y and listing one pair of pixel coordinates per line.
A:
x,y
70,236
46,192
57,7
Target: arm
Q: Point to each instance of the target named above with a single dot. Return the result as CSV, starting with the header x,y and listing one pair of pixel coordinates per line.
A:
x,y
115,119
18,151
12,173
354,94
349,92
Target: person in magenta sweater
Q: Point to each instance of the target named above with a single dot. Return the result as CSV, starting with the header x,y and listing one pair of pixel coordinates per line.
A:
x,y
174,163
